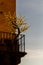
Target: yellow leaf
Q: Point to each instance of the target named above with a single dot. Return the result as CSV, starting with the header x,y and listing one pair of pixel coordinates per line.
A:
x,y
19,21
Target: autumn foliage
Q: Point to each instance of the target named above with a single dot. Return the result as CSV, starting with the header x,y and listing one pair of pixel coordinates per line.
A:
x,y
16,24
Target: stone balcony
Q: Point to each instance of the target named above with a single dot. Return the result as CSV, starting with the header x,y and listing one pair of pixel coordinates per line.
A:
x,y
11,48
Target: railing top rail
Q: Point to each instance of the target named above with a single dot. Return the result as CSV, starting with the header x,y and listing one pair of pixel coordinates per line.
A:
x,y
10,35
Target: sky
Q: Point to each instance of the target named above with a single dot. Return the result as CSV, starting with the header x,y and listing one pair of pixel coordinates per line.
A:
x,y
33,12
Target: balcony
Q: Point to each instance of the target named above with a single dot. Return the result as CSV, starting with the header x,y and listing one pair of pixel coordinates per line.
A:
x,y
9,38
11,47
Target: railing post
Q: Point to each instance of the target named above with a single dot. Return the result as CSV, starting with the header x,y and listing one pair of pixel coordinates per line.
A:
x,y
24,43
21,43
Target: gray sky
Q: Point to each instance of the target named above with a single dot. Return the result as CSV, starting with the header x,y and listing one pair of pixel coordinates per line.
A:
x,y
33,12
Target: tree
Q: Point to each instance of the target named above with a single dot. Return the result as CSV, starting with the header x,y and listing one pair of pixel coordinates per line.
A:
x,y
16,24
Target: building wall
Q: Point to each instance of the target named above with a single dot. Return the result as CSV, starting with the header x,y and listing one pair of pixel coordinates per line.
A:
x,y
6,6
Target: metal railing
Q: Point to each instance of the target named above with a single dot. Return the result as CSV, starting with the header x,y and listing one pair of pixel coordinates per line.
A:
x,y
21,40
11,36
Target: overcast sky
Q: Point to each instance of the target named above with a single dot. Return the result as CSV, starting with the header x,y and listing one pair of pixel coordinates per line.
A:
x,y
33,12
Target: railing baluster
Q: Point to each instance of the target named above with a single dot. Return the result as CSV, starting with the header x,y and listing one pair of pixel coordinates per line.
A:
x,y
2,39
5,35
21,43
24,43
8,35
0,35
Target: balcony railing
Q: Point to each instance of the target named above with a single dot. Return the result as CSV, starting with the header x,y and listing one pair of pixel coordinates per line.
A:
x,y
21,40
11,36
